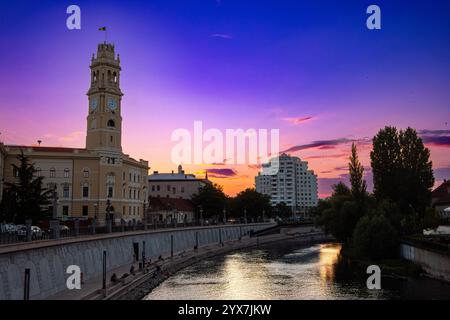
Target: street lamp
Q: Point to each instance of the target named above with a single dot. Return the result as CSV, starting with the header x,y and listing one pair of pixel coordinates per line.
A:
x,y
201,215
145,218
55,204
95,211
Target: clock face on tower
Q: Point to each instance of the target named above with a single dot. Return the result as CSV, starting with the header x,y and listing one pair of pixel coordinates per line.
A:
x,y
94,104
112,104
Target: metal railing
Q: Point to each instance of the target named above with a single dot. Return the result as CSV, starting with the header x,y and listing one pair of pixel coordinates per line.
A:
x,y
89,230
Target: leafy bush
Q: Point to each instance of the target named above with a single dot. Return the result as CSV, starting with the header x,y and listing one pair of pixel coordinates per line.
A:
x,y
374,237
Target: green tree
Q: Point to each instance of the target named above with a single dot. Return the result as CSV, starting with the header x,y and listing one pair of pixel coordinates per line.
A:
x,y
211,199
386,163
417,177
356,170
374,237
252,201
282,210
402,171
26,196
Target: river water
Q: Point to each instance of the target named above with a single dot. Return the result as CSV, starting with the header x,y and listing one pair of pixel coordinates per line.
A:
x,y
287,271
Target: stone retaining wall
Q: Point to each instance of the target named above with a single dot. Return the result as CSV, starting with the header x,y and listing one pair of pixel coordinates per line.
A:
x,y
48,263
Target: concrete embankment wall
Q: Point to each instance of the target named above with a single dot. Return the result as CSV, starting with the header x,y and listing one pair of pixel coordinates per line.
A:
x,y
436,264
48,262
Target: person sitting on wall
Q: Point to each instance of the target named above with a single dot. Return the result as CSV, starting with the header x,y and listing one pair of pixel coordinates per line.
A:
x,y
114,278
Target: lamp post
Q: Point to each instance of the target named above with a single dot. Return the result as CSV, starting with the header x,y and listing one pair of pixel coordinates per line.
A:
x,y
224,216
201,216
145,214
108,219
245,215
55,222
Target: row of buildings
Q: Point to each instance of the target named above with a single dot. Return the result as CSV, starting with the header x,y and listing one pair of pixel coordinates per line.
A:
x,y
100,177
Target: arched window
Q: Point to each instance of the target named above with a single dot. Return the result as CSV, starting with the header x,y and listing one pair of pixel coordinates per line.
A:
x,y
111,123
52,172
115,77
66,173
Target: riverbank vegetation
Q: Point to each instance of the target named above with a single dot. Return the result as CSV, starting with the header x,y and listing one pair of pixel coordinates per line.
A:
x,y
370,224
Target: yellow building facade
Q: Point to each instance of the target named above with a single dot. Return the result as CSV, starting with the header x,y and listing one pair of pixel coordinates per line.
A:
x,y
86,179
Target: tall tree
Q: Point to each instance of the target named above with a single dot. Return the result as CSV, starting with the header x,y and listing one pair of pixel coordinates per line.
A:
x,y
417,177
26,196
211,200
253,202
386,163
356,171
402,170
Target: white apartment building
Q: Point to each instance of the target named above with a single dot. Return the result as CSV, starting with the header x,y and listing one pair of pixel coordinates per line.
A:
x,y
293,184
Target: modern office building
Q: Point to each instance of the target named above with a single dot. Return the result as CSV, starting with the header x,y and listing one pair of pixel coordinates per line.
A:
x,y
293,183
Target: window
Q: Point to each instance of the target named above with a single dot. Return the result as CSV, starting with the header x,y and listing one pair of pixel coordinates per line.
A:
x,y
66,191
134,194
65,210
66,173
38,172
153,188
85,210
85,191
158,188
111,124
139,194
168,188
130,195
86,173
182,189
111,139
174,190
110,191
52,172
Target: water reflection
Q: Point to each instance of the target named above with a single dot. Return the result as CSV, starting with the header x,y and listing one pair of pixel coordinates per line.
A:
x,y
287,272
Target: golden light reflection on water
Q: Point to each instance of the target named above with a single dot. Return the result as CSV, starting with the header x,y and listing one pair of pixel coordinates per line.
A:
x,y
244,280
305,273
328,256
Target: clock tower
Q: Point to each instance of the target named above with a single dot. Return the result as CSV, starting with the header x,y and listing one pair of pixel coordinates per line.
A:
x,y
104,120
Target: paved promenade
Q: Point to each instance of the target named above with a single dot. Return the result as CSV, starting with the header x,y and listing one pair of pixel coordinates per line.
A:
x,y
138,285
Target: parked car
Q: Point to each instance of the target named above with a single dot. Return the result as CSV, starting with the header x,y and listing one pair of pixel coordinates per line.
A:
x,y
64,228
9,228
22,231
36,232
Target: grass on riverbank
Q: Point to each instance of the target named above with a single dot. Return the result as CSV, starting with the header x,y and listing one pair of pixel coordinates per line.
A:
x,y
396,267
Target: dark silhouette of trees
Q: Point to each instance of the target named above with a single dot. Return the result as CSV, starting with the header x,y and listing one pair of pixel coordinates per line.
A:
x,y
25,198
